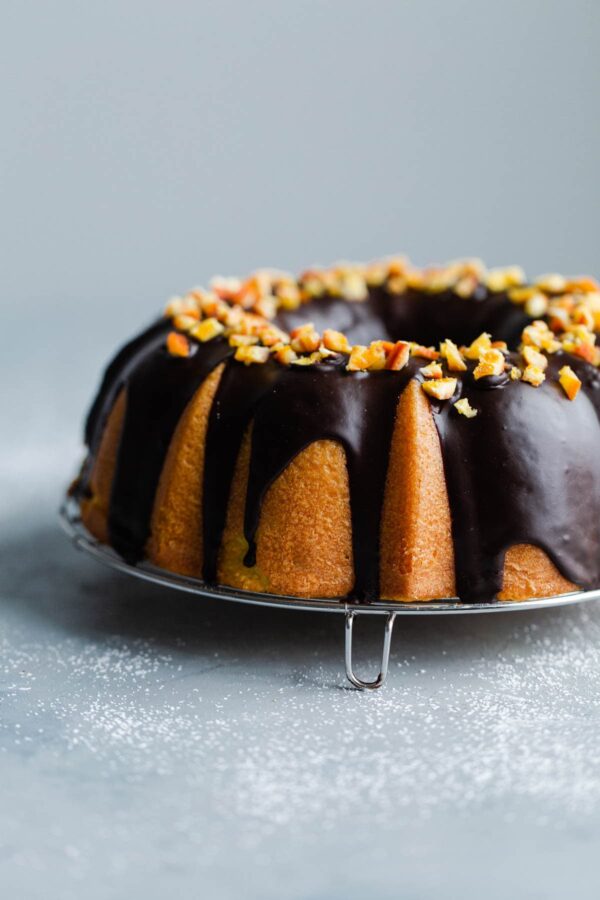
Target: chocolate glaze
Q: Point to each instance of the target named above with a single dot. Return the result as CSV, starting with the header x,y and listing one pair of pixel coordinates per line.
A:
x,y
113,382
117,372
430,318
240,391
354,408
415,316
525,470
325,402
158,390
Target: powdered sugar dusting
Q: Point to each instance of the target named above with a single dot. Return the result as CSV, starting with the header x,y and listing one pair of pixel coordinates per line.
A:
x,y
143,732
292,748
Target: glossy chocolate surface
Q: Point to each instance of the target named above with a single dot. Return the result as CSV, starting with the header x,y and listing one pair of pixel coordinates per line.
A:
x,y
526,470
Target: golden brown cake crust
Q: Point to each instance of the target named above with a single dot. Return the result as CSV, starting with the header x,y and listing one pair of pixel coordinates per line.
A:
x,y
300,532
304,545
529,573
94,509
417,559
302,553
176,530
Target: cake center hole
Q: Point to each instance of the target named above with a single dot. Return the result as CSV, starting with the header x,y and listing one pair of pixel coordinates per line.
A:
x,y
426,319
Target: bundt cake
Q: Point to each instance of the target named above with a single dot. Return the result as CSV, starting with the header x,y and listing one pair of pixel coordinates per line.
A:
x,y
357,432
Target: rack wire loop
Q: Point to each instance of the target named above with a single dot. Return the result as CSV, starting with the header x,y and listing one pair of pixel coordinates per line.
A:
x,y
70,519
385,656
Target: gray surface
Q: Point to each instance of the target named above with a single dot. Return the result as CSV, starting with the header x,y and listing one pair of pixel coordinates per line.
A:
x,y
152,744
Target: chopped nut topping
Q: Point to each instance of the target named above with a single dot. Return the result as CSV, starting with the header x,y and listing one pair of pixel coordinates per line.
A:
x,y
461,276
359,358
266,306
479,345
583,284
270,336
551,284
585,351
178,344
307,360
207,329
433,370
536,306
226,288
424,352
520,295
186,321
565,313
491,362
354,286
398,356
324,353
582,315
466,286
305,339
569,382
181,306
336,341
533,375
376,273
311,285
560,319
265,291
534,358
503,279
285,355
377,354
539,335
243,340
465,409
397,284
453,356
252,354
289,296
441,389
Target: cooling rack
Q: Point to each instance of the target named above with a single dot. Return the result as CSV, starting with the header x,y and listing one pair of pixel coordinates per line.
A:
x,y
71,522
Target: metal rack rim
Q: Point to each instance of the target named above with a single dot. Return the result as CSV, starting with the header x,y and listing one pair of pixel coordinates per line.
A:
x,y
70,520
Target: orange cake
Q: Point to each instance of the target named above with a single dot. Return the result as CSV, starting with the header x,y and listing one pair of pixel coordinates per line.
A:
x,y
365,432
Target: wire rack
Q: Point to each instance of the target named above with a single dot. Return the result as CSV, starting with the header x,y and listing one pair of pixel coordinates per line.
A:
x,y
70,520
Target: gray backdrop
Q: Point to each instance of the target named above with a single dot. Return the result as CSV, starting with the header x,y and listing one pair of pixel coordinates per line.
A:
x,y
148,145
152,744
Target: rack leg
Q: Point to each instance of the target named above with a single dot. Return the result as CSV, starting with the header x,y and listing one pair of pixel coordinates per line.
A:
x,y
385,657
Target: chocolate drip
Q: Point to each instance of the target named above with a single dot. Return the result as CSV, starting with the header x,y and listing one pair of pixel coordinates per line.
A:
x,y
526,470
113,381
325,402
158,390
117,373
240,391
